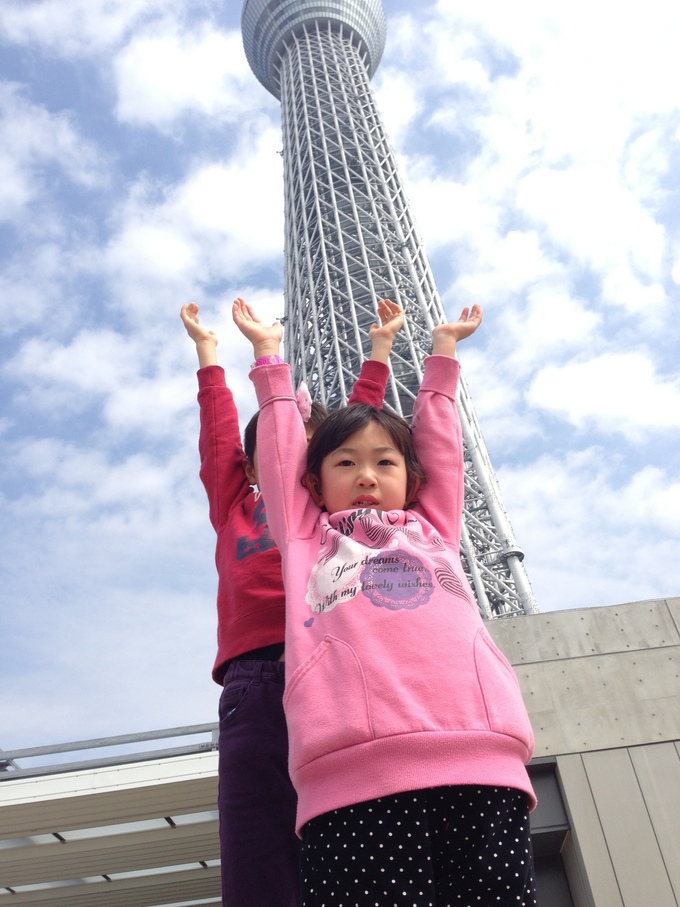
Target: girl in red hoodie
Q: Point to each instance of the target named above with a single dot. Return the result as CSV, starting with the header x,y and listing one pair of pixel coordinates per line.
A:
x,y
256,800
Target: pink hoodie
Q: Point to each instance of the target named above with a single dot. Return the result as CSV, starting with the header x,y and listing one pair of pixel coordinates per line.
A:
x,y
393,682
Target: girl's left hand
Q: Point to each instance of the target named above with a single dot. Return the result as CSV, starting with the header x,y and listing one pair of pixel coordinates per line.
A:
x,y
469,321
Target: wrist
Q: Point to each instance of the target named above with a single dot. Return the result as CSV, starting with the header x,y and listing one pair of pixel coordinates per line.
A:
x,y
206,342
266,348
380,350
206,348
444,346
271,359
444,340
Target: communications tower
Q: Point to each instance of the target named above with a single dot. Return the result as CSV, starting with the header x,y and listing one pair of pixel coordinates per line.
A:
x,y
350,240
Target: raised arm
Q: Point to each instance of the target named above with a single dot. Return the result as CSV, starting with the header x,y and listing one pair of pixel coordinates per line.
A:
x,y
372,381
437,431
219,441
280,432
206,341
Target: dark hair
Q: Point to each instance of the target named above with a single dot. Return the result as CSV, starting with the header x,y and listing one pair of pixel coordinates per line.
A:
x,y
318,415
342,423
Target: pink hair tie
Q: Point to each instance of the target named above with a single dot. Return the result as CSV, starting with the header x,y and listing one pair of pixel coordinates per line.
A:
x,y
304,401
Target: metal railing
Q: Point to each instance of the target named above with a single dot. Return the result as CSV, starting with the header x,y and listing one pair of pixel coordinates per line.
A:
x,y
11,769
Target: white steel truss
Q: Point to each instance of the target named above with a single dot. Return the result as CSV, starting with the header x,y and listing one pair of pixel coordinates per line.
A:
x,y
350,241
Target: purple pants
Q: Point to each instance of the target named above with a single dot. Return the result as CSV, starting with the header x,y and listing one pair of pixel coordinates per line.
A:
x,y
259,848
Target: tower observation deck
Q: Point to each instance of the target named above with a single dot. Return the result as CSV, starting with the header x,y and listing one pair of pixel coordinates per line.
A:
x,y
350,240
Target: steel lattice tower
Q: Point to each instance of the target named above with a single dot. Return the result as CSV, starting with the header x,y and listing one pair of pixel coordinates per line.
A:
x,y
350,240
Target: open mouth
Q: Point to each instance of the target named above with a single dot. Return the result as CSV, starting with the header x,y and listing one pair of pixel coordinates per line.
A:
x,y
367,501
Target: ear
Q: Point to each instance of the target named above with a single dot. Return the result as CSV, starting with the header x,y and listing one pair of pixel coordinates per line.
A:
x,y
313,486
249,470
412,488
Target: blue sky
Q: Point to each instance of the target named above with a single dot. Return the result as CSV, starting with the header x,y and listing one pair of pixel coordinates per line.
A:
x,y
540,147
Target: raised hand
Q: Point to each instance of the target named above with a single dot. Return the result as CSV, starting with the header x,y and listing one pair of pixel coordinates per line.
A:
x,y
382,335
445,336
391,320
189,316
266,339
205,340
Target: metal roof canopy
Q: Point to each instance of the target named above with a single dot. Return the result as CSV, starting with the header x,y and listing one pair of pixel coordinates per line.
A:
x,y
137,830
141,830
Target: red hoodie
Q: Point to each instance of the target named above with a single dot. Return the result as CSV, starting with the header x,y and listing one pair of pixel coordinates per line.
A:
x,y
250,597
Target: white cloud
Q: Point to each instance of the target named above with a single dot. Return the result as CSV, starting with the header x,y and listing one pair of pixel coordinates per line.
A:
x,y
80,480
675,268
591,538
616,392
646,162
33,282
218,223
94,363
399,102
161,75
551,327
572,141
97,623
506,266
77,27
652,498
33,139
447,211
152,246
129,382
603,225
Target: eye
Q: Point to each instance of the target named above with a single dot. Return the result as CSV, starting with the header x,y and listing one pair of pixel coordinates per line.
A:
x,y
386,462
344,463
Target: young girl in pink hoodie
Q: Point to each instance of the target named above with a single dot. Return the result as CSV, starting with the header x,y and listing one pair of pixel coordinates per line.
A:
x,y
408,734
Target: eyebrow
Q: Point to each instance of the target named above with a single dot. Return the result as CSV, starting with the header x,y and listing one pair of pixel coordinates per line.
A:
x,y
374,450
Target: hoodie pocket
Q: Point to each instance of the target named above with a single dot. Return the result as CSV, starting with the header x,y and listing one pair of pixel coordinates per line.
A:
x,y
505,709
326,703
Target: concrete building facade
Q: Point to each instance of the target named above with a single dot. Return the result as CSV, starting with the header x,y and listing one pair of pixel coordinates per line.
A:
x,y
603,690
602,687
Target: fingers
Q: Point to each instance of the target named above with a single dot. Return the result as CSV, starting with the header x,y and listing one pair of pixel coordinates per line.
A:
x,y
189,312
388,310
242,311
471,314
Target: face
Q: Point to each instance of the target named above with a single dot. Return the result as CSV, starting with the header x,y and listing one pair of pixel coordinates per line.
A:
x,y
367,471
251,469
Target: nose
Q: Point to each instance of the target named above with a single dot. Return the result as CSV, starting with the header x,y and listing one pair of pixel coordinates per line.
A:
x,y
366,478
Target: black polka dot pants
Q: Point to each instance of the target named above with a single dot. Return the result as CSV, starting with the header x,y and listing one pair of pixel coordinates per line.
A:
x,y
443,847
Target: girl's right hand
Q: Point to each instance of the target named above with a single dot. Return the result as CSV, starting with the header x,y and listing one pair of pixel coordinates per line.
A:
x,y
189,316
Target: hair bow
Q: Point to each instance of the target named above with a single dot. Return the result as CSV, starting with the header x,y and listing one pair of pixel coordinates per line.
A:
x,y
304,401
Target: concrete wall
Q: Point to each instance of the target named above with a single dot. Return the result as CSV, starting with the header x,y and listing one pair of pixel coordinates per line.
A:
x,y
603,690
